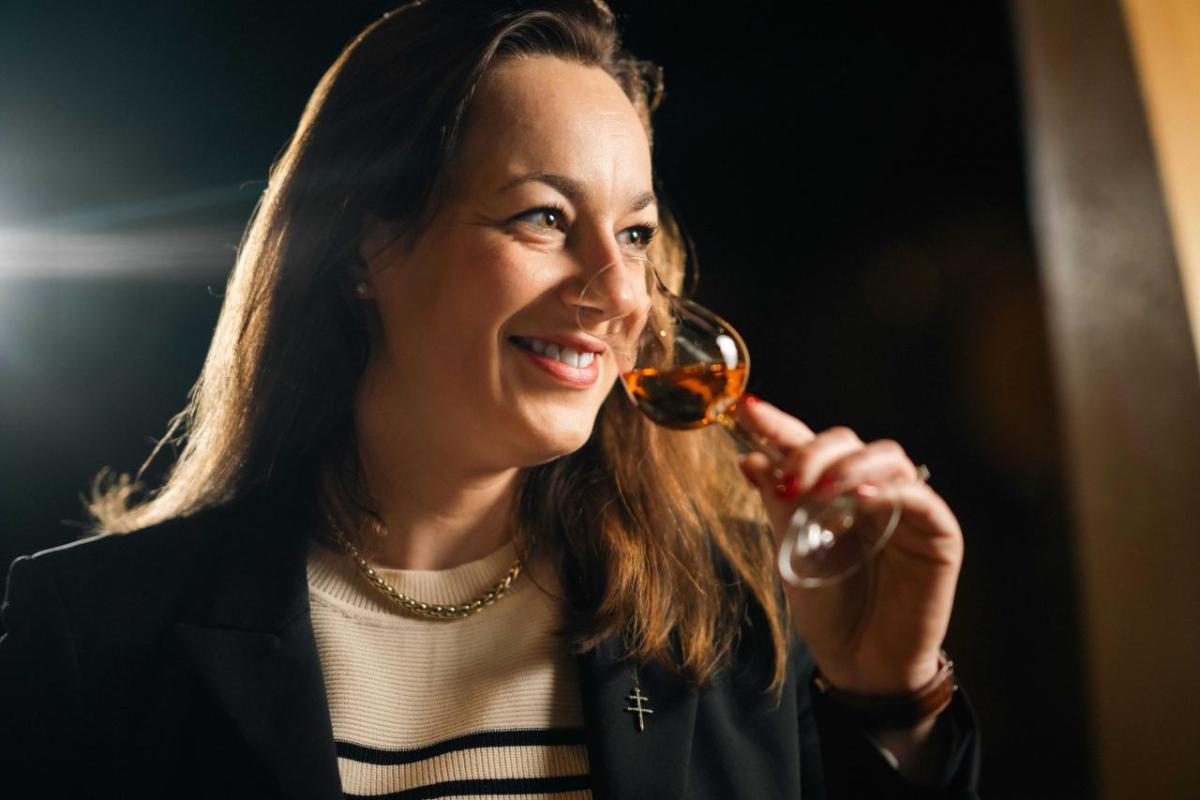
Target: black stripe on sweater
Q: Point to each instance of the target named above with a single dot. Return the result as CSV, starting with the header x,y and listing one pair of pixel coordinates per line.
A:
x,y
512,738
569,783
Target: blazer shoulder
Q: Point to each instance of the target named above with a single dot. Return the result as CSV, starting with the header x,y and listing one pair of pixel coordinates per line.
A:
x,y
177,539
122,581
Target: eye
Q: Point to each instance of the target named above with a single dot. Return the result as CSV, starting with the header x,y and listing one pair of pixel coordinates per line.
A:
x,y
640,236
551,217
546,217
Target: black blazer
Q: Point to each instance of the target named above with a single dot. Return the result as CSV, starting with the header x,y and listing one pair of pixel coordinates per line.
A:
x,y
179,661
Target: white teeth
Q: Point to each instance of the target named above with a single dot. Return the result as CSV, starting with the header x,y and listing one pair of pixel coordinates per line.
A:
x,y
566,355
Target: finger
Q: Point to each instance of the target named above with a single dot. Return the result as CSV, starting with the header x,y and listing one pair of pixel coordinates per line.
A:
x,y
882,461
804,466
772,423
923,511
759,469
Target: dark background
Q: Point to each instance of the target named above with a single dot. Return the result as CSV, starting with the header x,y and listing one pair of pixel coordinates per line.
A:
x,y
853,179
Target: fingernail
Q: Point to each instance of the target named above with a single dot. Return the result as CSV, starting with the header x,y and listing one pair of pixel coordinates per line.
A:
x,y
750,399
824,481
788,488
867,490
745,468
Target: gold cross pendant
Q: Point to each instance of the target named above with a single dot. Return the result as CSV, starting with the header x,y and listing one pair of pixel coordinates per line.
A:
x,y
638,699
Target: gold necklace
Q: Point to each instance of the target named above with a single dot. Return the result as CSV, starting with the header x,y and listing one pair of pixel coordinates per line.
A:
x,y
417,607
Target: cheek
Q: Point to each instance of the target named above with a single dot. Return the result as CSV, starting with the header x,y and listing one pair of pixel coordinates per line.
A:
x,y
509,283
443,308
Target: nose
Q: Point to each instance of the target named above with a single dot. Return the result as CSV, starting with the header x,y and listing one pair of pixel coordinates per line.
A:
x,y
610,289
614,305
614,292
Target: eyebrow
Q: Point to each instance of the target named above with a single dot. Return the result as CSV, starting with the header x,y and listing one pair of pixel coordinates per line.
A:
x,y
571,189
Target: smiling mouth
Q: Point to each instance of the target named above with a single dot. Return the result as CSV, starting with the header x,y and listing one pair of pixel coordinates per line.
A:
x,y
555,352
570,368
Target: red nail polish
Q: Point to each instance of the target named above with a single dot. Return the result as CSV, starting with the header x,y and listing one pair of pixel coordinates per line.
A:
x,y
788,488
825,481
750,399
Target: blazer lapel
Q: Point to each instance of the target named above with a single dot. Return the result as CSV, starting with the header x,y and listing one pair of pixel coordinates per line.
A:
x,y
625,761
251,642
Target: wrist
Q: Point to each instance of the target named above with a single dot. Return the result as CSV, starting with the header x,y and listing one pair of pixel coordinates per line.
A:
x,y
898,710
858,679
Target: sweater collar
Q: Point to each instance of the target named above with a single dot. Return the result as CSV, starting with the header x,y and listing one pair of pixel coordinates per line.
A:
x,y
251,641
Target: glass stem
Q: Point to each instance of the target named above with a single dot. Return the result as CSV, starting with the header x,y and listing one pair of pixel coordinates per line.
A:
x,y
751,441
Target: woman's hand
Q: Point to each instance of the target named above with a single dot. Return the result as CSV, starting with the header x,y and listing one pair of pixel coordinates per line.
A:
x,y
878,632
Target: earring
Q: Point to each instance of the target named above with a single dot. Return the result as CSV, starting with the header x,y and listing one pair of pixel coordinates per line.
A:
x,y
361,289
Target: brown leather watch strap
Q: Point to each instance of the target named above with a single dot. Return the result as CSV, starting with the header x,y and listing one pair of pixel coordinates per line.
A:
x,y
885,712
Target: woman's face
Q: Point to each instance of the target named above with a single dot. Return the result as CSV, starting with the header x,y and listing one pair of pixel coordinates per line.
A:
x,y
554,183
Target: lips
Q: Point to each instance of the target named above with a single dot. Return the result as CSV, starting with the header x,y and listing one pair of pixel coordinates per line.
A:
x,y
571,356
571,367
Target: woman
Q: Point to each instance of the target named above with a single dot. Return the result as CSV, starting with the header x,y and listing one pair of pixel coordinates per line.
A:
x,y
379,416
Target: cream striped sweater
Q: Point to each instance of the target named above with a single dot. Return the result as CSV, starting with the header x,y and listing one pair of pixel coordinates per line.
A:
x,y
482,707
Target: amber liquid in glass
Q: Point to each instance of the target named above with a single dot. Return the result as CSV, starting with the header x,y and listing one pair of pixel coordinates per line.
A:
x,y
687,397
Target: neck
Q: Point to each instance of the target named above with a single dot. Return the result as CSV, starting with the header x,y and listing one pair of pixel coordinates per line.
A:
x,y
437,516
440,509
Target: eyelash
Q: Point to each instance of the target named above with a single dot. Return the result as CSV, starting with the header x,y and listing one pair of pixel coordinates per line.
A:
x,y
649,230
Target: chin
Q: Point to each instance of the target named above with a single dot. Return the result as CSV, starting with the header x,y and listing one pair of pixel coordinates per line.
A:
x,y
547,445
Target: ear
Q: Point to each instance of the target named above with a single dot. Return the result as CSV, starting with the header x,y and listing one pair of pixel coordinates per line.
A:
x,y
376,245
375,238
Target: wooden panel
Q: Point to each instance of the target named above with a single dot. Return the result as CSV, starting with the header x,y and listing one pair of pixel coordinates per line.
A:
x,y
1165,37
1126,370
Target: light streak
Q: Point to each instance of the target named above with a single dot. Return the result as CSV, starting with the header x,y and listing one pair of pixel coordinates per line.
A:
x,y
168,253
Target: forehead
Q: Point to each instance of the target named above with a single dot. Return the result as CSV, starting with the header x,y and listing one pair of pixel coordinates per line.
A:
x,y
546,114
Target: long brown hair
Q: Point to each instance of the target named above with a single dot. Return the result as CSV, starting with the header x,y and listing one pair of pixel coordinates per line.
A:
x,y
660,537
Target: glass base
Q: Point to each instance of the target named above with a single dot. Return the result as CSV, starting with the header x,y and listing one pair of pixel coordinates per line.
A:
x,y
828,543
